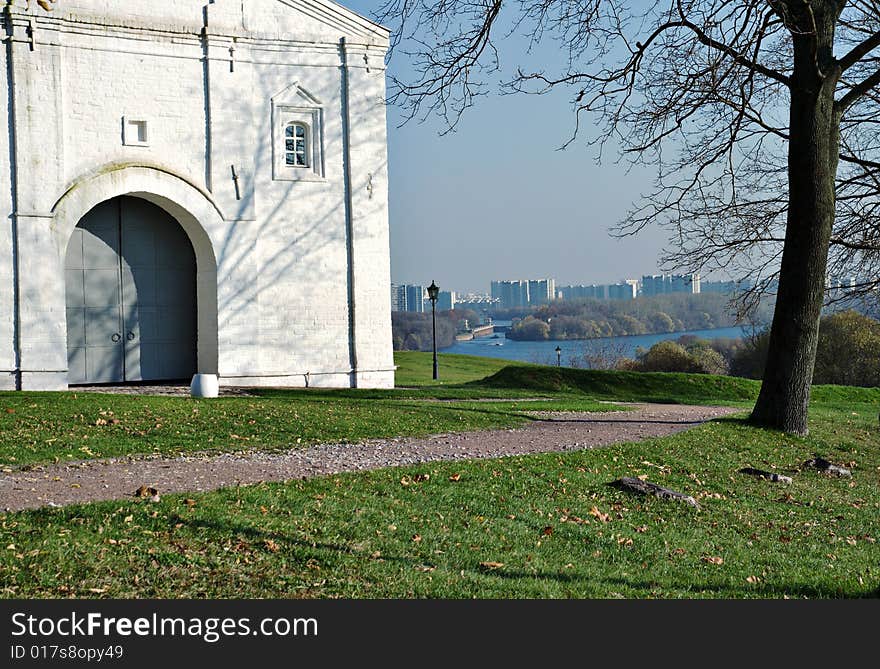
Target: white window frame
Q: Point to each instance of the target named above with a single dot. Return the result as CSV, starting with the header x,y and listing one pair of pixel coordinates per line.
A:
x,y
311,118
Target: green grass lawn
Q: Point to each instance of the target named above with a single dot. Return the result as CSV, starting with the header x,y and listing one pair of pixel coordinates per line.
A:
x,y
38,428
536,526
415,368
532,526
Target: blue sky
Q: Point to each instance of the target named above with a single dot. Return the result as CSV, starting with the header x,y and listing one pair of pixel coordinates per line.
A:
x,y
496,199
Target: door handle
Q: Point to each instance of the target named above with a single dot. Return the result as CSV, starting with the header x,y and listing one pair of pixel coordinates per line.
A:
x,y
115,337
130,336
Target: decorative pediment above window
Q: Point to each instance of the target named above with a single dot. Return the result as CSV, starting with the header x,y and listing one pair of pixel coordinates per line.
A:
x,y
295,94
297,135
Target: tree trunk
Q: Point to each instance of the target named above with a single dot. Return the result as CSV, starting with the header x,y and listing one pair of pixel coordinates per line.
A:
x,y
813,149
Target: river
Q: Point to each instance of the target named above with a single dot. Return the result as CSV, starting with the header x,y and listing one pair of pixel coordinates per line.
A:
x,y
544,352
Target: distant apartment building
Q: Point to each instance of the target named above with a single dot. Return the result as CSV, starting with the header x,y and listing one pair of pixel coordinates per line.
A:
x,y
398,297
541,291
415,298
511,294
581,292
622,291
725,287
445,300
523,293
653,284
625,290
407,298
663,284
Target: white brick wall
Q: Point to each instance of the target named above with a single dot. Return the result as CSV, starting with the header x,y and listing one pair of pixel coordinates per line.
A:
x,y
279,313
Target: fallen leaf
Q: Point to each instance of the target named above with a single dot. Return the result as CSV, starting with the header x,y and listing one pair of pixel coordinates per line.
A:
x,y
425,567
98,591
604,517
128,519
145,491
271,545
189,502
417,537
713,559
264,510
455,477
421,478
752,579
641,529
492,565
547,531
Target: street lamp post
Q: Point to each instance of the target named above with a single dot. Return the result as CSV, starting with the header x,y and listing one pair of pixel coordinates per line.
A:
x,y
433,291
558,357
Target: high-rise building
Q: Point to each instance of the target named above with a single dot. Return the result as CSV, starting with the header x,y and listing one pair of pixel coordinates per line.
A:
x,y
625,290
621,291
398,297
511,294
407,298
541,291
725,287
653,284
580,292
415,298
445,300
661,284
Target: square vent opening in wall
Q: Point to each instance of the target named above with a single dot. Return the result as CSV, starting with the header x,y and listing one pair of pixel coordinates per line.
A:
x,y
135,131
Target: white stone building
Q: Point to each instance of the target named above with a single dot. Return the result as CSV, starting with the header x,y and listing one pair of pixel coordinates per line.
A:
x,y
193,186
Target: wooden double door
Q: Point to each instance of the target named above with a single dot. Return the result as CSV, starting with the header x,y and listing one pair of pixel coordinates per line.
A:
x,y
130,275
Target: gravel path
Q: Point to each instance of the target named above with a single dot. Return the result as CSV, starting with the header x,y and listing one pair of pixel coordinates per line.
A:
x,y
118,478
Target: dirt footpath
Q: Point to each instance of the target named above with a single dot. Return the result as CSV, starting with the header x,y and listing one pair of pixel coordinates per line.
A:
x,y
118,478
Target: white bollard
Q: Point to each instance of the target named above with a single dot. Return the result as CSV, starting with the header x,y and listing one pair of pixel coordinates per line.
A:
x,y
204,385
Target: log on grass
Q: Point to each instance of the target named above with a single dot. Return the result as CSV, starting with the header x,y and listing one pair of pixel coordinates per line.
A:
x,y
647,488
827,467
770,476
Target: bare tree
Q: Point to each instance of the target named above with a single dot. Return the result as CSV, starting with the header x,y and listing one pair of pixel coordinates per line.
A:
x,y
761,117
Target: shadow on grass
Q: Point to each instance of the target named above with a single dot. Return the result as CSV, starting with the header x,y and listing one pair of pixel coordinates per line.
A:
x,y
231,530
716,590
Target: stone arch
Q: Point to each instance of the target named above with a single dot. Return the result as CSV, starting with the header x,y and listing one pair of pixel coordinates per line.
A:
x,y
191,206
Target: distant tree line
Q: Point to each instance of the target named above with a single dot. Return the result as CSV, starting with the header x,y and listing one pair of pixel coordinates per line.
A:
x,y
589,318
411,331
848,353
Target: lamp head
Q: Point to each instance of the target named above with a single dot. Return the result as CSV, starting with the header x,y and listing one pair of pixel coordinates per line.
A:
x,y
433,291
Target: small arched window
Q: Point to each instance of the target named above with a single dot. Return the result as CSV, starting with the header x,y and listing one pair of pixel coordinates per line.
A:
x,y
296,136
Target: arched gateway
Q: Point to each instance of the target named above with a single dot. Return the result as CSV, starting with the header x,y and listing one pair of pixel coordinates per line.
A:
x,y
200,186
130,282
